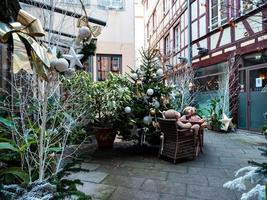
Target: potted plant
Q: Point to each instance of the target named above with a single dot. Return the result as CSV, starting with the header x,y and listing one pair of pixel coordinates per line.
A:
x,y
108,99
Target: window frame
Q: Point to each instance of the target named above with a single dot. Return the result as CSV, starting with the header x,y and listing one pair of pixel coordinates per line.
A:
x,y
99,68
176,36
167,48
166,6
242,8
220,21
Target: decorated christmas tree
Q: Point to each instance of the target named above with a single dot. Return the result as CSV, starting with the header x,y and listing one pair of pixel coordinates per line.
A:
x,y
150,97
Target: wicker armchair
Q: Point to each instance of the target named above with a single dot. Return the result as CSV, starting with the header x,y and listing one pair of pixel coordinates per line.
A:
x,y
176,143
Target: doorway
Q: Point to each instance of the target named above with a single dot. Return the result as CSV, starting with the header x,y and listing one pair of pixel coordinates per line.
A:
x,y
252,102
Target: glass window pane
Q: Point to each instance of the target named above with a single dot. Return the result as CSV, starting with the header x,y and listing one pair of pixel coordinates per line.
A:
x,y
214,69
108,63
242,81
255,59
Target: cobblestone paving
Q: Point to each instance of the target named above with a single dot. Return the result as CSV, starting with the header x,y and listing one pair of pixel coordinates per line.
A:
x,y
125,174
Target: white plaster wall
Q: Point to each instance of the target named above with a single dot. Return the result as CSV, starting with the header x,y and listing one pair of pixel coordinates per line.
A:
x,y
214,39
240,31
226,37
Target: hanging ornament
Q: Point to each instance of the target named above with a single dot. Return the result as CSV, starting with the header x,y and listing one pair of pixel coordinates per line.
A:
x,y
147,120
77,44
154,75
160,72
156,104
74,58
152,111
134,76
61,65
84,32
150,92
127,109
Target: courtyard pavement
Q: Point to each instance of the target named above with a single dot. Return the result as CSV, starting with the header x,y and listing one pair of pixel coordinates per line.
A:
x,y
125,173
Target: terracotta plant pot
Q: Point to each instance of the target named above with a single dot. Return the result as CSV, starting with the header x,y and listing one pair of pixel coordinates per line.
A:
x,y
105,137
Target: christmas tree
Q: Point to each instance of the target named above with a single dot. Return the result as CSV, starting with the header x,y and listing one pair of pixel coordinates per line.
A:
x,y
150,96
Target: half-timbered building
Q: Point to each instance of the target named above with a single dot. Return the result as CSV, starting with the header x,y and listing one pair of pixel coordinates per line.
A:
x,y
226,44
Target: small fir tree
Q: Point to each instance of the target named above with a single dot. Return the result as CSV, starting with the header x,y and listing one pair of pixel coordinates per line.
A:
x,y
256,174
150,95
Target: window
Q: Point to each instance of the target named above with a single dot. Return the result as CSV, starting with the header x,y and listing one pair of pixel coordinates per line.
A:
x,y
111,4
108,63
167,45
211,82
166,6
218,13
86,2
249,5
176,34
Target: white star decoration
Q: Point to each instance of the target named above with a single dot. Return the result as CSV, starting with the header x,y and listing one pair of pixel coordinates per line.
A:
x,y
74,58
52,53
226,122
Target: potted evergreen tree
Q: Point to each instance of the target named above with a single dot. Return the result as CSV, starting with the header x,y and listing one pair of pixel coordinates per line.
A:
x,y
107,101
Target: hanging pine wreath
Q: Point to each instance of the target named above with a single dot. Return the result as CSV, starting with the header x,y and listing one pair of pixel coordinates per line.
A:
x,y
88,50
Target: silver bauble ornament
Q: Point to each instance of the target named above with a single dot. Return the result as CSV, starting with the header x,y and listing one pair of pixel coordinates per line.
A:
x,y
150,92
62,65
127,109
84,32
134,76
156,104
147,120
159,72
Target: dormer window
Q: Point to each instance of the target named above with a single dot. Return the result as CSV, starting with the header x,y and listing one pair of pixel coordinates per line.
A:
x,y
111,4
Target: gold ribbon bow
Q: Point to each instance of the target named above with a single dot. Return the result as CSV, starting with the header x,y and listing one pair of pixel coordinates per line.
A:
x,y
25,47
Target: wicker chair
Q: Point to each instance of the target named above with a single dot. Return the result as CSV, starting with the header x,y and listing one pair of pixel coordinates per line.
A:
x,y
176,143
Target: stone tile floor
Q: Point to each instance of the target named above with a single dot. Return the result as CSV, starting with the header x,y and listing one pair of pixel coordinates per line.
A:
x,y
126,174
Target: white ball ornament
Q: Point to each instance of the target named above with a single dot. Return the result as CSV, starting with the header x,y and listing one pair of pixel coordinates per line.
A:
x,y
147,120
156,104
134,76
62,65
159,72
150,92
154,75
127,109
84,32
